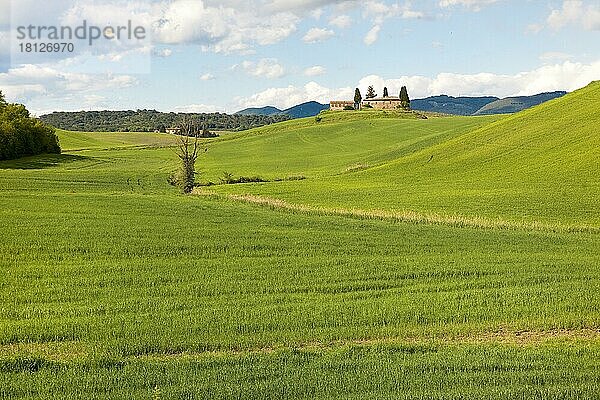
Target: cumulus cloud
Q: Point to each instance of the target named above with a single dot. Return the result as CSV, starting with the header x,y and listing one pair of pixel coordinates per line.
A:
x,y
315,35
264,68
378,12
574,12
299,6
220,26
285,97
341,21
475,5
207,77
39,85
315,71
372,35
232,26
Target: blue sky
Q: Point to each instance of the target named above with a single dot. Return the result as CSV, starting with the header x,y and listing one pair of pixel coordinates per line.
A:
x,y
208,55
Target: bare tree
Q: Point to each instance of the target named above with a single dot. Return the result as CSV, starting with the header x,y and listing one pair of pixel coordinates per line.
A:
x,y
188,150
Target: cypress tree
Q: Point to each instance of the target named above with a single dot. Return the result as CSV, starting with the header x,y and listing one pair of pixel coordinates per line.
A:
x,y
404,99
371,93
385,92
357,99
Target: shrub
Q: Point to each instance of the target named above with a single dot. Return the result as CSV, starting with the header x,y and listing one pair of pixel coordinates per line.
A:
x,y
228,179
21,135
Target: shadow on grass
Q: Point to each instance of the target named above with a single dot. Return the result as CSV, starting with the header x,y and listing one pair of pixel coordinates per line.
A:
x,y
42,161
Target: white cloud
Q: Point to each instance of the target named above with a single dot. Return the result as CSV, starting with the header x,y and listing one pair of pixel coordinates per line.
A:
x,y
315,71
207,77
574,12
571,12
315,35
300,6
341,21
198,108
475,5
380,11
219,26
264,68
54,77
317,13
372,35
163,53
39,85
290,96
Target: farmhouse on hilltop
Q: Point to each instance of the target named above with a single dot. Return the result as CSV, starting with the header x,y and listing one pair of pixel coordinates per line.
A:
x,y
380,103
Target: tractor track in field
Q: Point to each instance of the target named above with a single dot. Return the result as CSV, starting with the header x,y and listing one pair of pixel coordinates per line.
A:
x,y
78,351
404,216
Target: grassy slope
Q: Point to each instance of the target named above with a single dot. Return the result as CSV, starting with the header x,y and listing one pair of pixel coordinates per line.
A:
x,y
105,292
539,165
337,143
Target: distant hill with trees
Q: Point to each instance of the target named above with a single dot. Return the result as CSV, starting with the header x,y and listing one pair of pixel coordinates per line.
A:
x,y
452,105
268,110
511,105
21,135
152,120
308,109
486,105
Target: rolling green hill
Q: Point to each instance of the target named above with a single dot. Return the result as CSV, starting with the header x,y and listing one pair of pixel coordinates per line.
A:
x,y
538,165
339,143
114,285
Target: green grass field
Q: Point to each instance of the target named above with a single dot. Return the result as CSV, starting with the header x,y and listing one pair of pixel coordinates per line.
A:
x,y
114,285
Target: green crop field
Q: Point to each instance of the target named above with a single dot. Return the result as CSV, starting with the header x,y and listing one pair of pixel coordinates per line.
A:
x,y
440,258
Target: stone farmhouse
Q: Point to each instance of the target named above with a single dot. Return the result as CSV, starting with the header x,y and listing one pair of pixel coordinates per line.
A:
x,y
379,103
383,103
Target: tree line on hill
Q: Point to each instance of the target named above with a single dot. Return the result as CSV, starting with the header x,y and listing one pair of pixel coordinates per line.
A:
x,y
152,121
21,135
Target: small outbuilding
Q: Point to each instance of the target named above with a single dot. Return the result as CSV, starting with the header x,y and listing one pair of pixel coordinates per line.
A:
x,y
339,105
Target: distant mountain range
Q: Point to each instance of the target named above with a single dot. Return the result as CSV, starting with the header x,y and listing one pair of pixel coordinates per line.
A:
x,y
308,109
452,105
511,105
441,104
